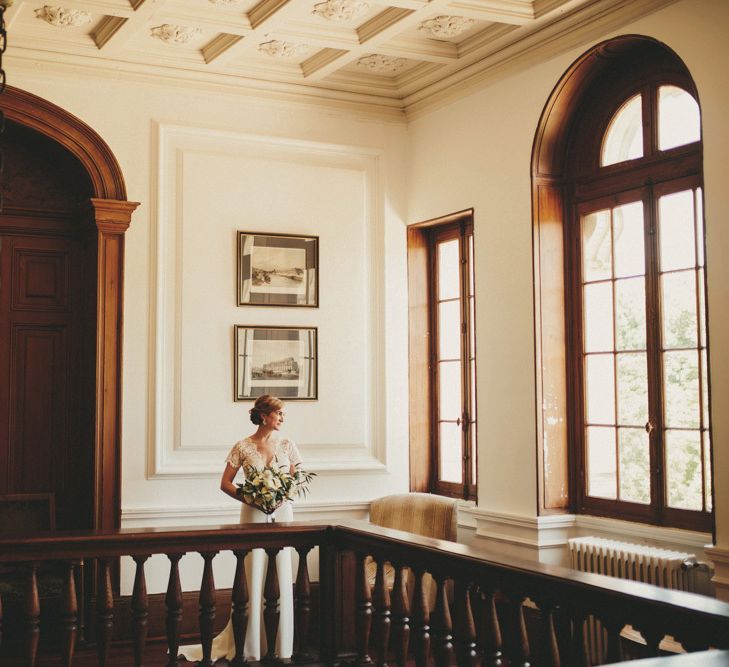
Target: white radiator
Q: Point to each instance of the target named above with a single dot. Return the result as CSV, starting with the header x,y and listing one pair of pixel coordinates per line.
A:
x,y
637,562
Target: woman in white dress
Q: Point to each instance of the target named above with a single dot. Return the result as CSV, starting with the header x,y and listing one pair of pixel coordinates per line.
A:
x,y
265,447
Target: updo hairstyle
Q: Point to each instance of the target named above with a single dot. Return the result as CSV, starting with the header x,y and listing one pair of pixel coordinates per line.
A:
x,y
263,406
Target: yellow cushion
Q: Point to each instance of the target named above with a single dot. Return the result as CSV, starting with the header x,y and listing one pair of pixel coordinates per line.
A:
x,y
420,513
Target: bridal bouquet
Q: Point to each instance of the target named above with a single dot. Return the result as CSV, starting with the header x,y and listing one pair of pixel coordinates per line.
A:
x,y
266,488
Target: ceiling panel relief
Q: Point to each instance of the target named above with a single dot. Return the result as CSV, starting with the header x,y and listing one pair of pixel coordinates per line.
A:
x,y
400,51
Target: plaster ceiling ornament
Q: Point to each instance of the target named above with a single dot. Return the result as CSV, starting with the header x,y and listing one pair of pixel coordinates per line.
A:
x,y
445,27
223,3
175,34
340,10
63,17
278,49
379,63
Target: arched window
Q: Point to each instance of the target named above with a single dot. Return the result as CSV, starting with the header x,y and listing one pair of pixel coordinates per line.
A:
x,y
622,170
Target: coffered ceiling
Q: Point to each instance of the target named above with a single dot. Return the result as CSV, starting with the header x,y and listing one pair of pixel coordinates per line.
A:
x,y
391,53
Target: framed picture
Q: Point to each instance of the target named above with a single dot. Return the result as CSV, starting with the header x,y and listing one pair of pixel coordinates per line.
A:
x,y
281,361
278,270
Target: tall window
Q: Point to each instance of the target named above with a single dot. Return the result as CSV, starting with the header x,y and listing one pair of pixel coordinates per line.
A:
x,y
641,417
447,355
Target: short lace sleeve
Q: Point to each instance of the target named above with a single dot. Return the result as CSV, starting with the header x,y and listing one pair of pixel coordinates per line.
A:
x,y
235,456
292,452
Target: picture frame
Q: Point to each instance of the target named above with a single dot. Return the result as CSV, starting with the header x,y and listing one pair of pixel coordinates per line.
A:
x,y
278,270
277,360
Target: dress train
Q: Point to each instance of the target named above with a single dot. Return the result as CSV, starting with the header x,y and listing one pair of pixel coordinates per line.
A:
x,y
256,563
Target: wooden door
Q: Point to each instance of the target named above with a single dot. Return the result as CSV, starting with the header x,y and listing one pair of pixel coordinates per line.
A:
x,y
47,443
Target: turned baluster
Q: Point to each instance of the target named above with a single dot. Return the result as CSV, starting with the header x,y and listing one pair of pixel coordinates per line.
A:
x,y
173,602
465,627
442,625
553,654
579,650
400,616
271,606
382,612
521,646
303,609
421,621
491,628
240,607
32,615
140,610
207,608
104,612
69,614
653,636
364,611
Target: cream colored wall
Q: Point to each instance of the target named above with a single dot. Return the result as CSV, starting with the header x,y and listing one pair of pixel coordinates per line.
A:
x,y
203,165
476,152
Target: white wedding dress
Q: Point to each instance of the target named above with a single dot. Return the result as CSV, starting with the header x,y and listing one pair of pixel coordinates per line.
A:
x,y
245,453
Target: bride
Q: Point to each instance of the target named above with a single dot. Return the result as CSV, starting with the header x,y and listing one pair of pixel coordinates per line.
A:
x,y
263,448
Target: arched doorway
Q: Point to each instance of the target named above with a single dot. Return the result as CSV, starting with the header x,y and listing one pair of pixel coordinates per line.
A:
x,y
61,262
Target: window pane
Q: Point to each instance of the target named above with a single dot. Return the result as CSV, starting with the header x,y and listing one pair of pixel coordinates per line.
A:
x,y
449,330
601,474
676,231
628,235
681,386
624,137
705,387
683,469
679,118
471,267
472,326
632,389
449,390
634,465
449,274
600,389
630,313
702,309
700,227
678,291
473,389
707,473
451,459
598,317
596,250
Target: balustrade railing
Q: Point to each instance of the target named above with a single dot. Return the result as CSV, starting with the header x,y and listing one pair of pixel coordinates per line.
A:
x,y
431,602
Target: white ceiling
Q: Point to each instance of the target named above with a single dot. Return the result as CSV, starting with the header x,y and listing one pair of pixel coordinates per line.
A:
x,y
390,53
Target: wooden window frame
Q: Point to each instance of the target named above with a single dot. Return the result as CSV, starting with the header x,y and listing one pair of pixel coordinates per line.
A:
x,y
566,175
423,345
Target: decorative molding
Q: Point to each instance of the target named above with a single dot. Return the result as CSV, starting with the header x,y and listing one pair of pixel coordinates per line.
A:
x,y
223,3
719,558
379,63
229,513
175,34
446,27
169,454
278,49
340,10
63,17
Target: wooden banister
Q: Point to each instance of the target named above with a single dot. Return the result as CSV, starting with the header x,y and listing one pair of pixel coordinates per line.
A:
x,y
475,609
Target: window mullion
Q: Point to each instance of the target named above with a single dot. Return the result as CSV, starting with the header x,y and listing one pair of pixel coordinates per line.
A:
x,y
654,347
465,356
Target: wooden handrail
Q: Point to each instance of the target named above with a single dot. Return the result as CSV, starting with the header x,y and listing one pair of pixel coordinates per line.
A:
x,y
476,610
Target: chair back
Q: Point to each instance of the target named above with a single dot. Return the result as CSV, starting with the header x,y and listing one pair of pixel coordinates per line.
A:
x,y
420,513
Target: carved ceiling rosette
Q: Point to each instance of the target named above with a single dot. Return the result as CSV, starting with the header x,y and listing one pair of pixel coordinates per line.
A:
x,y
380,64
278,49
63,17
175,34
446,27
340,10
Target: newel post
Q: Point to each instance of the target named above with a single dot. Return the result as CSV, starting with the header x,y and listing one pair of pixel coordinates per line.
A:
x,y
111,218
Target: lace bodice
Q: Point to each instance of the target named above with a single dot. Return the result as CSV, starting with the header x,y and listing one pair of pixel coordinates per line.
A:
x,y
245,453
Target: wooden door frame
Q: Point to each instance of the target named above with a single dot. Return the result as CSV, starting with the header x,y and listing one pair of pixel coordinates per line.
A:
x,y
108,215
